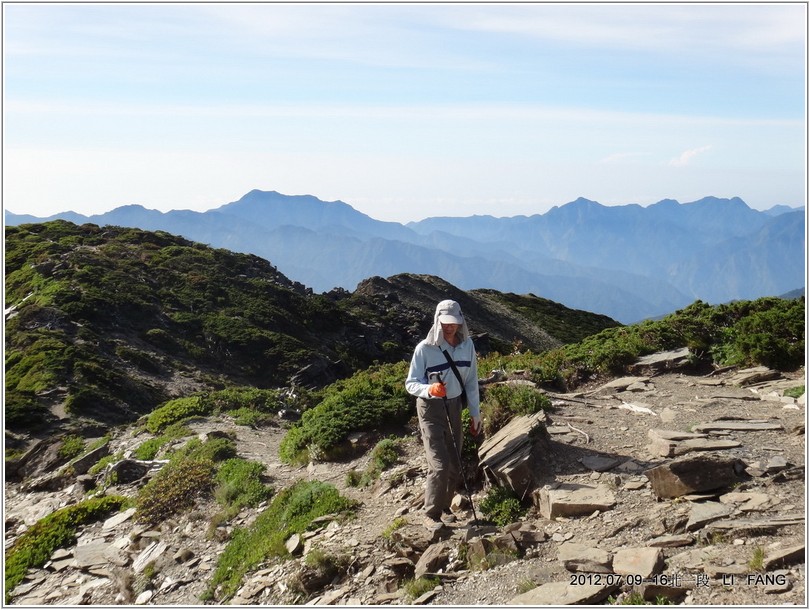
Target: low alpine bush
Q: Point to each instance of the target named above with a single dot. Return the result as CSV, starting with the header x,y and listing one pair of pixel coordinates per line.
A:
x,y
55,531
291,511
502,506
373,399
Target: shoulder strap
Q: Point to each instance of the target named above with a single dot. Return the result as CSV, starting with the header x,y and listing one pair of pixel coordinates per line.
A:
x,y
453,366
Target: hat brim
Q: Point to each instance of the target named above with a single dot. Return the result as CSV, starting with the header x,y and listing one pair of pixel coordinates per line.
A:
x,y
448,319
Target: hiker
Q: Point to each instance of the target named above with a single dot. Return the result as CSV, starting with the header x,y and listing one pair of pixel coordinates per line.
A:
x,y
439,391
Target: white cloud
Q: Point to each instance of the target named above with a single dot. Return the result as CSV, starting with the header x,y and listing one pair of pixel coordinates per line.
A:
x,y
686,156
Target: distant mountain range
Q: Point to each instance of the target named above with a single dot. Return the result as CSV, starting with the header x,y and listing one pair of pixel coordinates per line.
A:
x,y
628,262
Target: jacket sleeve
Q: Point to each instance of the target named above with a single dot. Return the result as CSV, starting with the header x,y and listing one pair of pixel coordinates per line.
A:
x,y
471,384
417,384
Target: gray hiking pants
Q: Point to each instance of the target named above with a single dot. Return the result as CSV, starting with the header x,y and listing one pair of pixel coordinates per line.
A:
x,y
443,474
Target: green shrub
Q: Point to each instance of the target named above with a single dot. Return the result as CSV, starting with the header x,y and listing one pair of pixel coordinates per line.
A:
x,y
291,511
251,418
187,477
35,547
239,484
353,478
773,337
212,450
502,506
796,392
327,565
103,462
501,402
415,588
384,455
150,448
396,524
250,406
374,399
72,446
176,488
175,411
767,331
757,561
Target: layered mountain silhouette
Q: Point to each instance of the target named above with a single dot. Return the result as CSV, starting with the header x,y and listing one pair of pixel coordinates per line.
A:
x,y
628,262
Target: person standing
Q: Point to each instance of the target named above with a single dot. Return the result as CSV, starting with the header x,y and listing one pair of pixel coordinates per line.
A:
x,y
438,389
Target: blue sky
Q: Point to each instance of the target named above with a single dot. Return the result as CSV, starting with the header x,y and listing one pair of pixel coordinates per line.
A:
x,y
402,110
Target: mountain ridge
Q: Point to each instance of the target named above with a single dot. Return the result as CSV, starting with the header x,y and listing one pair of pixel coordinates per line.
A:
x,y
617,260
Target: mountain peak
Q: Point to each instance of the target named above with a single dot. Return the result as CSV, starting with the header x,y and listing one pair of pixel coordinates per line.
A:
x,y
733,202
583,202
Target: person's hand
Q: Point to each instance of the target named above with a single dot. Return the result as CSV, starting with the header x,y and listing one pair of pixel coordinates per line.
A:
x,y
437,390
475,425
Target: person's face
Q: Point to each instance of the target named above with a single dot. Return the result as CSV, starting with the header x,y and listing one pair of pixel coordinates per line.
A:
x,y
449,330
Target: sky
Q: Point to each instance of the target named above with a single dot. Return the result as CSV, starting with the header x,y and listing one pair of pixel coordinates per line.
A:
x,y
402,110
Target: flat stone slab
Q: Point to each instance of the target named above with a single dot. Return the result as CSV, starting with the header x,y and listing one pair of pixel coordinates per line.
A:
x,y
117,519
754,375
149,554
583,558
564,594
748,501
754,526
640,561
784,557
509,458
669,448
691,474
672,541
671,359
622,383
751,425
98,553
706,512
571,499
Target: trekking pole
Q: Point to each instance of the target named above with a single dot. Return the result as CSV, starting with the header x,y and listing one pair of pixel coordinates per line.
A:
x,y
437,378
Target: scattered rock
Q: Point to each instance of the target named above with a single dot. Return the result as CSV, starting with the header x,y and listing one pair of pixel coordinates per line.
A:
x,y
725,425
639,561
572,499
564,594
691,474
512,456
436,556
582,558
754,375
663,361
620,384
706,512
782,557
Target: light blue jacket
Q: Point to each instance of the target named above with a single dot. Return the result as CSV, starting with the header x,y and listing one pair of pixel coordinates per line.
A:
x,y
428,358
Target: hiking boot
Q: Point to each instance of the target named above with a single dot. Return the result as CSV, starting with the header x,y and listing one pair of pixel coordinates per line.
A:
x,y
448,517
432,524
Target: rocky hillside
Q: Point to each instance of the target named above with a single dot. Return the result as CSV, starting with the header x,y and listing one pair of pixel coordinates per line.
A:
x,y
617,514
104,324
641,462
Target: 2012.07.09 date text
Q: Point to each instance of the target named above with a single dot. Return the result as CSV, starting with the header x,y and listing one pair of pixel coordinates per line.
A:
x,y
609,580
